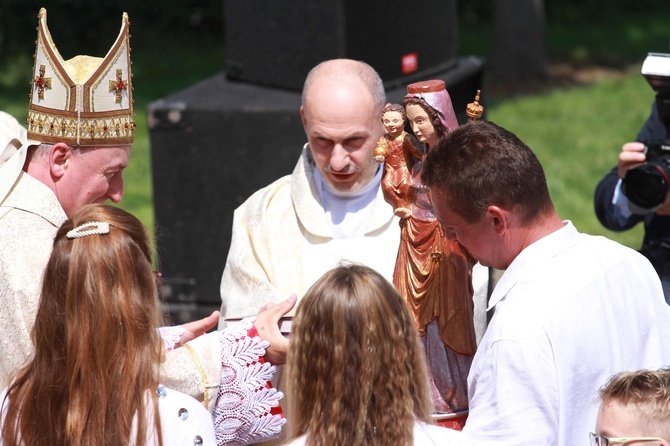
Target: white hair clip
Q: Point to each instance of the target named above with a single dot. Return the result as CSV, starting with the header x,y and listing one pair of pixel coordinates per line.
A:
x,y
90,228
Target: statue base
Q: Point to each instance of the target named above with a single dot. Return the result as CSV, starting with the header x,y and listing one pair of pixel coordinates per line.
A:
x,y
454,420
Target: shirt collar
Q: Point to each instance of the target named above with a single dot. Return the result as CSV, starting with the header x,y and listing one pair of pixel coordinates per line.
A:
x,y
532,257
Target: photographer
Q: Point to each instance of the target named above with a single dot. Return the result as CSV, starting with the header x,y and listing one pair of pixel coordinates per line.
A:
x,y
617,198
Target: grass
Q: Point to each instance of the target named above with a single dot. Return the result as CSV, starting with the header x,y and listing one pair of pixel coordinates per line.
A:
x,y
576,132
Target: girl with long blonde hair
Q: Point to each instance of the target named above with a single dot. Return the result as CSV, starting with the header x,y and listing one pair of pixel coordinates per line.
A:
x,y
356,370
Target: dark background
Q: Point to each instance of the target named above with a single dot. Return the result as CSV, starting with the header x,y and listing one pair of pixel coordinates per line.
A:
x,y
197,21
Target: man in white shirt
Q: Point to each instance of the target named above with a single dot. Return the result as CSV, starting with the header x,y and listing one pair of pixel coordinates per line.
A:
x,y
571,309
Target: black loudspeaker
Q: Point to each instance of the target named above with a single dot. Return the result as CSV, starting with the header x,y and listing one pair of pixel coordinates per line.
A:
x,y
276,43
212,146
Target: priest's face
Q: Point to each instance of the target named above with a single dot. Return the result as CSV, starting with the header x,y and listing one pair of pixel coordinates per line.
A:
x,y
342,126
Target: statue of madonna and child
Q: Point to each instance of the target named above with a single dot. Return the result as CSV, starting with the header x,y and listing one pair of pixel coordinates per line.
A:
x,y
432,273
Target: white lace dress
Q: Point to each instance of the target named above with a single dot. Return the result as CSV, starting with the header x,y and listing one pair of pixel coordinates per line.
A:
x,y
245,400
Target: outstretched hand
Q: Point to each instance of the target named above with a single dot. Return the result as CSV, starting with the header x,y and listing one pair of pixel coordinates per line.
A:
x,y
267,325
197,328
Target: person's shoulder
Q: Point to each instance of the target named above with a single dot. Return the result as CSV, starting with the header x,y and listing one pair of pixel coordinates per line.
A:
x,y
266,193
25,239
274,196
599,244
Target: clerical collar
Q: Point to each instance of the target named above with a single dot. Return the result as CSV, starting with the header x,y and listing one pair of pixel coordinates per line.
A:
x,y
348,213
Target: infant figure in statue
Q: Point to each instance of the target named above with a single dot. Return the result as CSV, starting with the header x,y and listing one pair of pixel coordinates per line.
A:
x,y
400,151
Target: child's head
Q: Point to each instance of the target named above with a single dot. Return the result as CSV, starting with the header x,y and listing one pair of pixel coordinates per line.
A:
x,y
99,278
636,404
95,336
355,363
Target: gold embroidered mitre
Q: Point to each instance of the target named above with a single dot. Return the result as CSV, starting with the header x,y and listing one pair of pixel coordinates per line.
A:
x,y
84,101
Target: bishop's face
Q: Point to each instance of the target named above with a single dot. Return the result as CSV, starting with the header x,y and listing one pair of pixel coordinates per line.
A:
x,y
91,175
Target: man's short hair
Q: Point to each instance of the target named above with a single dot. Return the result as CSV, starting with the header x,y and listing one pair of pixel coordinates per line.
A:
x,y
481,164
647,394
347,69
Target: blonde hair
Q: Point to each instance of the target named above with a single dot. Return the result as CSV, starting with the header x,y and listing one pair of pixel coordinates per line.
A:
x,y
647,394
97,350
356,372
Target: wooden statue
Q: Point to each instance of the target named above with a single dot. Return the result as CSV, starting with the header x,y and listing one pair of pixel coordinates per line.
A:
x,y
432,273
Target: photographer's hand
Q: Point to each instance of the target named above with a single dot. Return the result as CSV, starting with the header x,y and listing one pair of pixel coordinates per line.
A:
x,y
631,156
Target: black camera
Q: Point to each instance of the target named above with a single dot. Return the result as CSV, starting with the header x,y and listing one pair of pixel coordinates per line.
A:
x,y
646,186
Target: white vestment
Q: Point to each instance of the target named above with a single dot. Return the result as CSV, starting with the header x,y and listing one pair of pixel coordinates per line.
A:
x,y
282,243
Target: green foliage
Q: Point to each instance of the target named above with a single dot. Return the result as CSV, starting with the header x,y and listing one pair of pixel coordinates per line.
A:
x,y
167,51
577,135
614,40
97,23
615,37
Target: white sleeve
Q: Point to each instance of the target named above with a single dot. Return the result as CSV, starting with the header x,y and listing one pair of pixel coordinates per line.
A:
x,y
245,283
244,401
224,371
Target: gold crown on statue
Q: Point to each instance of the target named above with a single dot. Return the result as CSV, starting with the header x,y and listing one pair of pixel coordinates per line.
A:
x,y
83,101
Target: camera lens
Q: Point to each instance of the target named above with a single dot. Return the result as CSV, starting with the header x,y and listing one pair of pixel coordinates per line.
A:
x,y
646,186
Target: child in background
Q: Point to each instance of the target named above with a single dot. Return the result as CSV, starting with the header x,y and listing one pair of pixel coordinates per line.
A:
x,y
634,410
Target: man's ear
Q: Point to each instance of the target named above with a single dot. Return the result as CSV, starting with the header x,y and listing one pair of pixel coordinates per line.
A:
x,y
302,116
58,159
499,219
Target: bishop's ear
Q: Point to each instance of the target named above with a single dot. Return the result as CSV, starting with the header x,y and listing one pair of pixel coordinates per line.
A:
x,y
59,157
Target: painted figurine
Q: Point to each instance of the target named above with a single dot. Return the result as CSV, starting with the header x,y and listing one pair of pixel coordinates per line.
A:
x,y
399,151
432,273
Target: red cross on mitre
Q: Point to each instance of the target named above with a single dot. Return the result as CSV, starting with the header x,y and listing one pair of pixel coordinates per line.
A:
x,y
41,83
119,85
